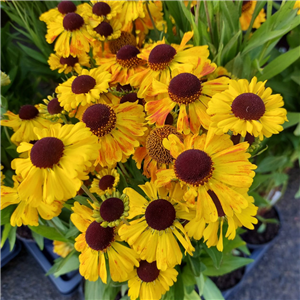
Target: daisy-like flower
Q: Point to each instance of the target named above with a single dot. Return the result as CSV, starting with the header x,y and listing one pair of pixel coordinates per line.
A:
x,y
73,37
97,243
69,63
27,212
63,8
213,231
117,127
106,182
24,123
131,10
187,92
113,210
247,107
5,80
248,8
154,154
148,282
56,163
163,59
61,248
51,109
83,89
156,229
210,163
123,65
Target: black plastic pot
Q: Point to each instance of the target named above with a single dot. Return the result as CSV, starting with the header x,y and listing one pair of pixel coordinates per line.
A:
x,y
5,254
67,283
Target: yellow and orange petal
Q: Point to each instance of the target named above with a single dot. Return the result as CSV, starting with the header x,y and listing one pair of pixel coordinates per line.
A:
x,y
248,8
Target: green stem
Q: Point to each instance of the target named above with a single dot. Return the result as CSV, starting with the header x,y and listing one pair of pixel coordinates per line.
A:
x,y
64,119
209,23
90,195
53,224
123,169
152,21
7,135
197,13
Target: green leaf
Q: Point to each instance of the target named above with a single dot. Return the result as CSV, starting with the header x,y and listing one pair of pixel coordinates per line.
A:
x,y
49,233
215,255
73,231
259,200
12,237
6,213
38,239
5,233
229,264
33,54
191,296
279,64
179,287
271,163
188,276
211,291
293,117
200,283
70,263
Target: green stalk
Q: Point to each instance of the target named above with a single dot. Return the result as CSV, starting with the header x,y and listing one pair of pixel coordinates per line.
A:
x,y
208,21
152,21
123,169
89,194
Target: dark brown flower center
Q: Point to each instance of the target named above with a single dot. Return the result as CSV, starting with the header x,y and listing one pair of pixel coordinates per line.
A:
x,y
83,84
246,5
101,9
193,167
104,29
131,97
248,138
154,143
160,214
184,88
106,182
123,88
111,209
65,7
217,203
54,107
127,56
100,118
248,106
147,272
160,57
46,152
69,61
99,238
28,112
169,119
72,21
126,38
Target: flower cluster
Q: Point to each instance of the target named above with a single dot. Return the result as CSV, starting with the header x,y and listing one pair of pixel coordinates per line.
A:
x,y
167,107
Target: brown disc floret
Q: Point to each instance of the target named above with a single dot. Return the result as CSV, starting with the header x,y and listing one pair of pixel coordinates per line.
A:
x,y
111,209
54,107
127,57
72,21
147,272
83,84
28,112
70,61
161,56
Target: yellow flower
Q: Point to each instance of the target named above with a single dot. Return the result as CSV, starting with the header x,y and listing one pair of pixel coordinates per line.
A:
x,y
83,89
117,127
61,248
248,8
24,123
187,92
5,80
123,65
154,235
247,107
69,63
131,10
297,6
57,162
126,38
99,245
106,182
27,212
154,154
52,110
148,282
163,59
210,165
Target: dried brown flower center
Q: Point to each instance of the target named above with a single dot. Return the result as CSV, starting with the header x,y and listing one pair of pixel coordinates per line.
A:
x,y
147,272
248,106
160,57
246,6
101,9
72,21
83,84
194,167
65,7
46,152
54,107
111,209
160,214
99,238
106,182
28,112
126,38
70,61
100,118
154,143
184,88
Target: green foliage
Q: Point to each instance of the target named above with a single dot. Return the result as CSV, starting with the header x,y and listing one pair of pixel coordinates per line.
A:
x,y
210,290
49,233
